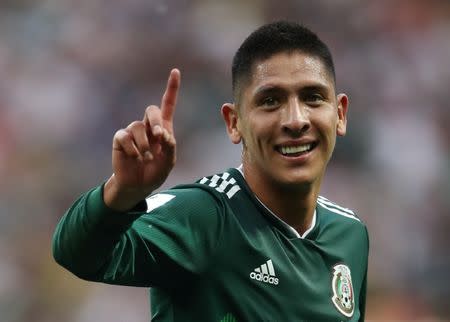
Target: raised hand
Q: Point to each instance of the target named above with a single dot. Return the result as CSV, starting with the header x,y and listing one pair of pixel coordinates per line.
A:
x,y
144,153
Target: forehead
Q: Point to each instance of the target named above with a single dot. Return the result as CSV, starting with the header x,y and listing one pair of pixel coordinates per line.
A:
x,y
289,68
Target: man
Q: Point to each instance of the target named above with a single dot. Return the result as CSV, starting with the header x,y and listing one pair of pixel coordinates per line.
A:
x,y
254,243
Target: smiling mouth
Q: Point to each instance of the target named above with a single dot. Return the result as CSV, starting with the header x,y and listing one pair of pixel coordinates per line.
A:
x,y
296,150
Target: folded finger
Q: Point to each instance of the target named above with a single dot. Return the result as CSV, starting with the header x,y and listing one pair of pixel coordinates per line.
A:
x,y
139,136
123,141
153,121
168,144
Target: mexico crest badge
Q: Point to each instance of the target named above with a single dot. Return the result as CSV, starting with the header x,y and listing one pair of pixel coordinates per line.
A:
x,y
343,296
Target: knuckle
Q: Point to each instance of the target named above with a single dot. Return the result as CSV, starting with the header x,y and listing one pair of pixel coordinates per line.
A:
x,y
122,135
135,125
151,109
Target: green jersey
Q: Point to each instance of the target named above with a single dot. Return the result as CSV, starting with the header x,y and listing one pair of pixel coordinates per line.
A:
x,y
211,251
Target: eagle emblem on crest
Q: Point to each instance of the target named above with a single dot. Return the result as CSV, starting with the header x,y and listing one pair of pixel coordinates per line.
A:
x,y
343,296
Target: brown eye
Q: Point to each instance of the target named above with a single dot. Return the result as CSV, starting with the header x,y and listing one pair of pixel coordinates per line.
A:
x,y
270,102
313,99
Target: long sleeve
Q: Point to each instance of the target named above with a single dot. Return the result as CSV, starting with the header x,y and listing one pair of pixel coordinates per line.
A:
x,y
177,237
87,234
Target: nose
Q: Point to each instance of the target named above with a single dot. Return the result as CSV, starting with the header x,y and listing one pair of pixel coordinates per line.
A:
x,y
295,120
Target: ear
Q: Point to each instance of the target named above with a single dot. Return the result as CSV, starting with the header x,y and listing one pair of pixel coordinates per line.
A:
x,y
231,118
342,107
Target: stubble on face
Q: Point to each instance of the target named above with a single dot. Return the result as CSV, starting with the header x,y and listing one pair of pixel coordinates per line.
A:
x,y
262,128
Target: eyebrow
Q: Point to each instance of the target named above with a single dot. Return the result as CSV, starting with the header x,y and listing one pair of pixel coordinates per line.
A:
x,y
315,88
266,89
308,88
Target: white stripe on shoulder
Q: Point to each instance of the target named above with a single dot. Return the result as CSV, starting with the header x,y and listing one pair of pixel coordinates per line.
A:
x,y
337,211
330,203
157,200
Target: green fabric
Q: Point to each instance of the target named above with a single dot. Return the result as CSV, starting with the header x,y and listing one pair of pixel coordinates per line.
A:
x,y
212,252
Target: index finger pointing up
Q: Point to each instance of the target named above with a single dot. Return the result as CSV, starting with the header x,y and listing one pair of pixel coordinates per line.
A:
x,y
169,99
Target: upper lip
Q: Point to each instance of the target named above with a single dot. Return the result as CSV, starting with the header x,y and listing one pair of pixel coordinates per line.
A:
x,y
295,142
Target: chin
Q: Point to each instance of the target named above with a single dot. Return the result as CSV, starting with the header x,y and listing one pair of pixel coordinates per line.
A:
x,y
295,180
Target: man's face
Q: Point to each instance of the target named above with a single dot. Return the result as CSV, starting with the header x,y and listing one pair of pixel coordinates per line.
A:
x,y
288,118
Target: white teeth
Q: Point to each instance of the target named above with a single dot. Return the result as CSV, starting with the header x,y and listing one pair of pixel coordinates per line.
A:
x,y
295,149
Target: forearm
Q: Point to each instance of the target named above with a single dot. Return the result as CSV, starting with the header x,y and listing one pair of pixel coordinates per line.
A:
x,y
86,236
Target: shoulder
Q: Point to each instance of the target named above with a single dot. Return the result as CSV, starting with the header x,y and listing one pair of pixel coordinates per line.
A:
x,y
182,208
333,209
333,212
186,198
207,192
220,186
225,183
340,216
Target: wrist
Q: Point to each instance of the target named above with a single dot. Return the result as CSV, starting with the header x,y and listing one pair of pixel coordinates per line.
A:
x,y
118,198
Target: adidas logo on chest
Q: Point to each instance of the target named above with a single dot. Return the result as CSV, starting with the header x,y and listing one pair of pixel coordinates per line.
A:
x,y
265,273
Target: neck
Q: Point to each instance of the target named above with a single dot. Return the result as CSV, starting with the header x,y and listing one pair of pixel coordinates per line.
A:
x,y
294,204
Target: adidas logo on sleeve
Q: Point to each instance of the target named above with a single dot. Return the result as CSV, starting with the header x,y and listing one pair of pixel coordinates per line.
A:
x,y
265,273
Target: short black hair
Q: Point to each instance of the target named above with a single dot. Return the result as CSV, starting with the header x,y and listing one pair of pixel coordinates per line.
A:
x,y
274,38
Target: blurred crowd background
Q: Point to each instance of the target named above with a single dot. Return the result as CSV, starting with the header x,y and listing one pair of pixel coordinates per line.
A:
x,y
75,71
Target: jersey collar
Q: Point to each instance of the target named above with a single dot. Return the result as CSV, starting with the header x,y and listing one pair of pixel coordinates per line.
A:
x,y
275,217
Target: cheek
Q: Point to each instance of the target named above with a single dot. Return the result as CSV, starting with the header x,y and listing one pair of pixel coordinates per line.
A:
x,y
328,122
326,129
255,137
260,129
